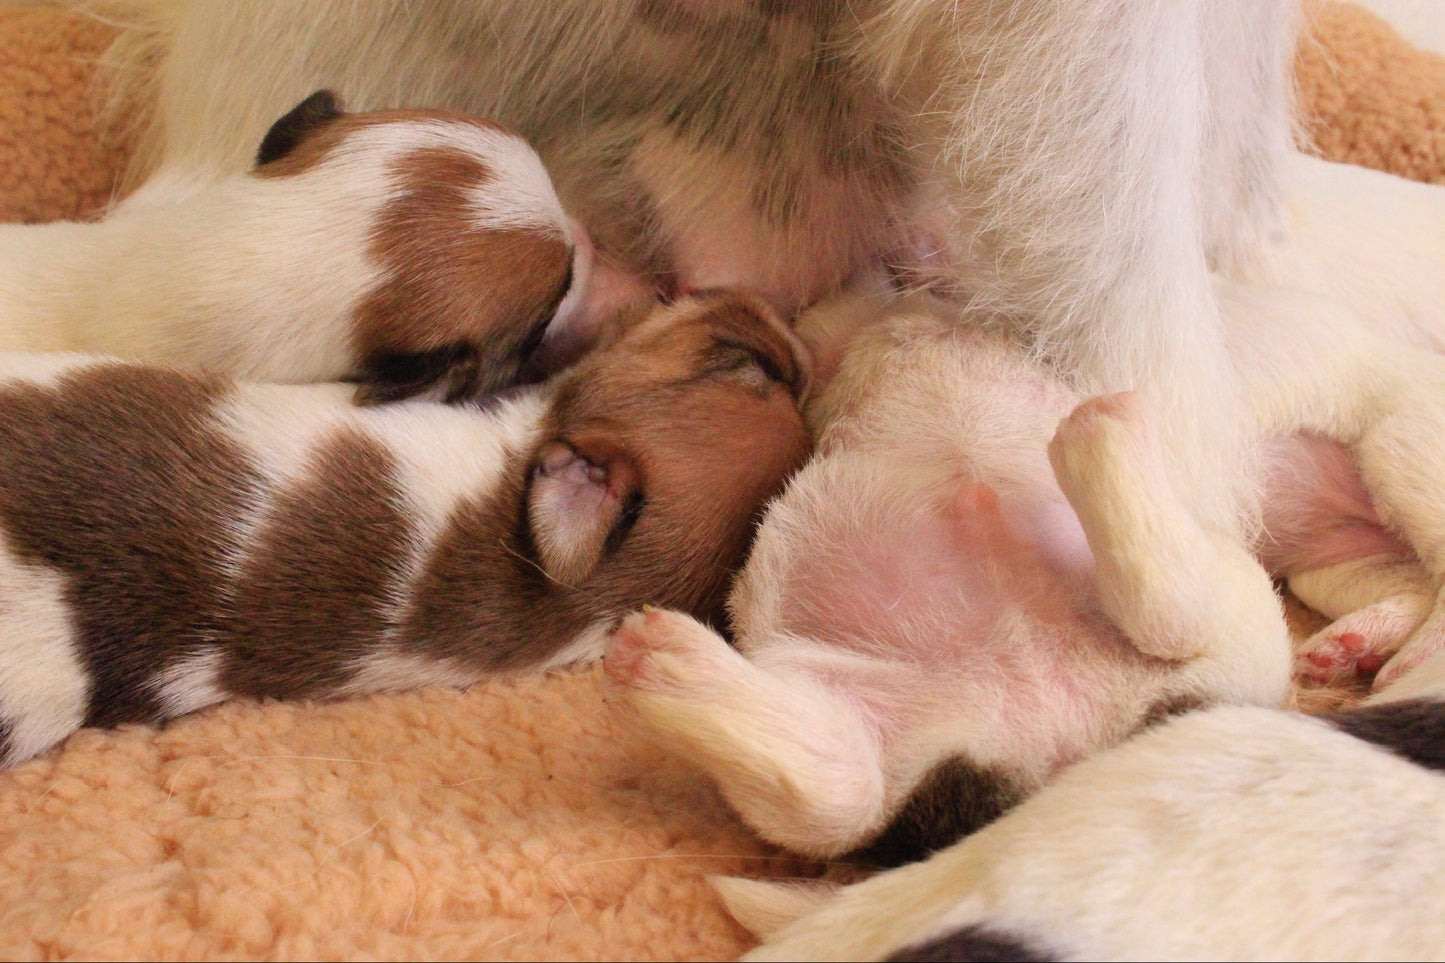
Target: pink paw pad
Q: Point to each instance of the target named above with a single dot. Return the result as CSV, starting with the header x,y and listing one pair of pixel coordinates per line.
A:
x,y
1355,646
627,661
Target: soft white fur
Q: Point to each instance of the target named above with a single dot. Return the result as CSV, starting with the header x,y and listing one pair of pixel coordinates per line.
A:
x,y
255,277
1231,834
1080,167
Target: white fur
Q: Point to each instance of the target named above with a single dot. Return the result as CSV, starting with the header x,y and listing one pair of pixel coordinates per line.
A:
x,y
255,277
43,682
1231,834
886,622
190,684
1080,165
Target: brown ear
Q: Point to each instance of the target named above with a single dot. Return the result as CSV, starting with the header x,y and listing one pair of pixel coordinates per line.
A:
x,y
579,505
297,124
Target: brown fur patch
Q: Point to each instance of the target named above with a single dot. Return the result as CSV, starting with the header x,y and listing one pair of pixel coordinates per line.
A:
x,y
313,594
450,285
710,445
116,479
449,281
955,799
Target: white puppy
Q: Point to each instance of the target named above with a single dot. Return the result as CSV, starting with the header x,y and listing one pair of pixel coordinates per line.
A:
x,y
1228,834
413,251
168,539
946,606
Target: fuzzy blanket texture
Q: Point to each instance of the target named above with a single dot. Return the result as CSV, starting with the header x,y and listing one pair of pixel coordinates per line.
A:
x,y
518,820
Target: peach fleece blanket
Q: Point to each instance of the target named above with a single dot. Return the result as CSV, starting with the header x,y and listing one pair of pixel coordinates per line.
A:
x,y
517,820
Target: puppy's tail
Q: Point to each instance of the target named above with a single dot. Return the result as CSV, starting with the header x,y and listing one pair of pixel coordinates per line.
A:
x,y
763,908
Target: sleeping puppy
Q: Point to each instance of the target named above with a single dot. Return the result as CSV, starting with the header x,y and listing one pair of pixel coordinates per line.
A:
x,y
411,251
981,578
1228,834
173,539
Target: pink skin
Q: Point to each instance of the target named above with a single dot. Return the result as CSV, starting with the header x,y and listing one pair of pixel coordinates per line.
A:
x,y
600,292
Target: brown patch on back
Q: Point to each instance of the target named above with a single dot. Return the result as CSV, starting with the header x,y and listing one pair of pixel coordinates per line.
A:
x,y
117,479
314,593
451,282
686,397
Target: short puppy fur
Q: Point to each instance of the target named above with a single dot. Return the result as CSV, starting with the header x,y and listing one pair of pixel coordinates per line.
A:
x,y
413,251
171,539
1228,834
982,578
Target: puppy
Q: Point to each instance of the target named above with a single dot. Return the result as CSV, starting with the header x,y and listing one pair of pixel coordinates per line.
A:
x,y
982,578
411,251
1229,834
173,539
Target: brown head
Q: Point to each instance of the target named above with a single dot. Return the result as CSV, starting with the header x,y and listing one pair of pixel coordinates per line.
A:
x,y
474,250
652,466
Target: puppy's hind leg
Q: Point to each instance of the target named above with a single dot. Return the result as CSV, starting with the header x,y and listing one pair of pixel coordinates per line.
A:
x,y
1177,590
1376,603
798,762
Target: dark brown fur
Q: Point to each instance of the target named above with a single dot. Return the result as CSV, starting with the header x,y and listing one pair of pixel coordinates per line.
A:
x,y
313,596
451,283
114,479
955,799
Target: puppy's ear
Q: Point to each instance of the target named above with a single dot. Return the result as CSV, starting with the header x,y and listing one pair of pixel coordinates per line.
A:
x,y
300,122
449,374
580,506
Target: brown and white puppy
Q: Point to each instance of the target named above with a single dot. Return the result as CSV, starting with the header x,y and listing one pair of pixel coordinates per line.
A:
x,y
982,578
413,251
173,539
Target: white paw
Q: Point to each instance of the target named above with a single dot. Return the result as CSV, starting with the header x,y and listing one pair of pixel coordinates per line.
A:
x,y
1092,437
659,651
1354,646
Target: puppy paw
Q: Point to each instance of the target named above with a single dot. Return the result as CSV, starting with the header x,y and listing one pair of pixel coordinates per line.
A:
x,y
1101,446
1354,646
659,651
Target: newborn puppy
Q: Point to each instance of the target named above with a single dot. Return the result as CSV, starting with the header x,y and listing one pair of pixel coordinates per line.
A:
x,y
1228,834
413,251
981,578
171,539
934,619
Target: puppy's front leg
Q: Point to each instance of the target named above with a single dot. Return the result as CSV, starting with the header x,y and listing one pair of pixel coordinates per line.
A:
x,y
1176,590
798,761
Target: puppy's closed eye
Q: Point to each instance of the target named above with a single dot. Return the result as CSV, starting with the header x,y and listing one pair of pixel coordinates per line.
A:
x,y
744,364
449,374
580,507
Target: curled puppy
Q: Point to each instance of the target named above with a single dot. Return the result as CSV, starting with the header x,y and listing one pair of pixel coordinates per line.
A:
x,y
1229,834
934,618
171,540
413,251
982,578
